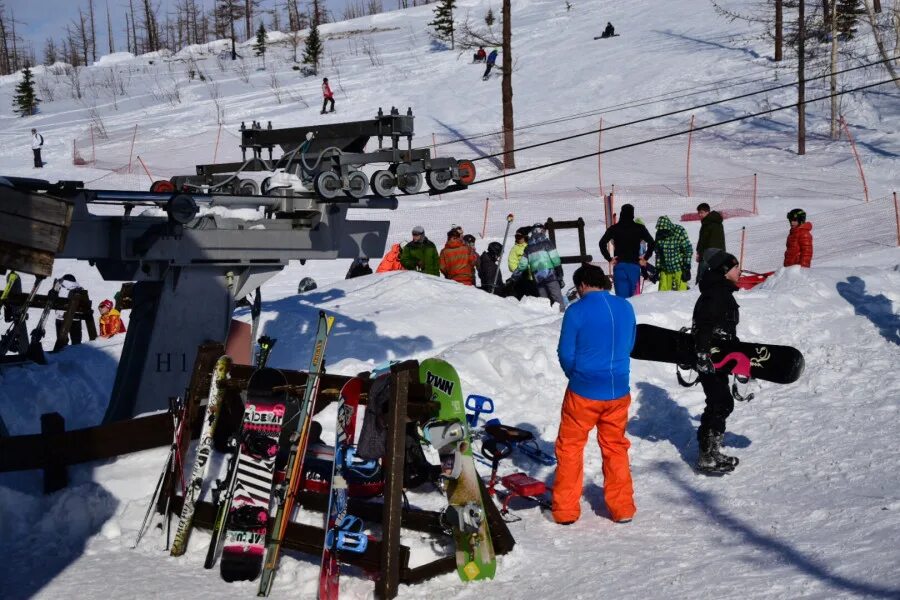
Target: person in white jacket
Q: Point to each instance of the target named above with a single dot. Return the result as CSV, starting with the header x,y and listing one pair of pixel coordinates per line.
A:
x,y
37,142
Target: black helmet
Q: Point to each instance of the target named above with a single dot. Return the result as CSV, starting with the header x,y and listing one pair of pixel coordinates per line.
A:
x,y
495,248
719,260
306,284
797,214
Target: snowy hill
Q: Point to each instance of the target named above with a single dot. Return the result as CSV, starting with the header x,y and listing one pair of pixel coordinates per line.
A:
x,y
813,510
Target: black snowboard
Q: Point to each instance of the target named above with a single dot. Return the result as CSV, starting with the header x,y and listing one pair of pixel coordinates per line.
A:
x,y
606,37
778,364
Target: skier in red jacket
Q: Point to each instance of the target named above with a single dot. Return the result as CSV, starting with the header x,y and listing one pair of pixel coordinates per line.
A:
x,y
799,249
328,95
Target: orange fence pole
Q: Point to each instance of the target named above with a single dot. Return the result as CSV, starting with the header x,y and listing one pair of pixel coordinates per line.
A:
x,y
487,201
755,211
856,154
897,216
146,170
216,149
131,150
743,240
688,166
600,156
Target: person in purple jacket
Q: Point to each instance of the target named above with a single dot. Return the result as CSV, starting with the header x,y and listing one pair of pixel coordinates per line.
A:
x,y
595,353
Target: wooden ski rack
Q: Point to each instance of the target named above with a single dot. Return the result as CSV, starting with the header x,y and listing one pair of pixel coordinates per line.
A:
x,y
385,559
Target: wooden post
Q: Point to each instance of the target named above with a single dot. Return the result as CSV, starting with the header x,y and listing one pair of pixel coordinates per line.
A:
x,y
779,29
487,202
687,177
897,217
55,475
395,455
859,166
743,239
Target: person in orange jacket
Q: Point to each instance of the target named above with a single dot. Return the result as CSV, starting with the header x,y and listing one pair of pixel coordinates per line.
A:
x,y
799,249
110,320
457,261
594,351
391,260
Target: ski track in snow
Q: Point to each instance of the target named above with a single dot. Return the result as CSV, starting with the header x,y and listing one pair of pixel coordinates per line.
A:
x,y
812,510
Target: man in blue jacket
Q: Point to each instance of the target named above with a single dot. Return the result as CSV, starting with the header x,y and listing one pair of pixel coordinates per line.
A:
x,y
595,353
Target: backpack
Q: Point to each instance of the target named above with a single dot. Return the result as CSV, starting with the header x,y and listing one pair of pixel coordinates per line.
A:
x,y
42,139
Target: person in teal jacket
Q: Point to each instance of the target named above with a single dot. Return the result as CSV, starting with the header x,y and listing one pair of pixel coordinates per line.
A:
x,y
673,255
420,254
541,260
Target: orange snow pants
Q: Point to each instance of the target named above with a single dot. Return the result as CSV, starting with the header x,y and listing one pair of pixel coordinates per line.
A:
x,y
579,416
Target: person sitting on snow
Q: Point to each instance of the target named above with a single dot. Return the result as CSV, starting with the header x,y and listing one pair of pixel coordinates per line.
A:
x,y
480,55
610,31
110,320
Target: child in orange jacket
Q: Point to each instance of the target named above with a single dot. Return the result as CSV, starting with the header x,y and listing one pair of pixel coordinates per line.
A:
x,y
110,320
799,249
457,260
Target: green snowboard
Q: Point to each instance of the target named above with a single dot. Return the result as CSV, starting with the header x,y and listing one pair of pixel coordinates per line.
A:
x,y
474,549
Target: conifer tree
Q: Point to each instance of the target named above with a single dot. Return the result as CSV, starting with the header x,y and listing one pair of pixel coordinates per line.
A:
x,y
443,21
312,52
847,17
260,46
24,101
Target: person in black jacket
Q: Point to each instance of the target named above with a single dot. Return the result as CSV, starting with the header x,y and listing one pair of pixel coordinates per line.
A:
x,y
626,236
712,234
359,267
488,265
716,315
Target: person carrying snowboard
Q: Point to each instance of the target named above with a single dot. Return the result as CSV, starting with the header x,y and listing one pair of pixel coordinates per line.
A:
x,y
716,315
673,255
626,236
594,350
799,249
327,95
491,60
712,234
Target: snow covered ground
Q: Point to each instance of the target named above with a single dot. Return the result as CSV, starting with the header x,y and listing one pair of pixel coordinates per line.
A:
x,y
813,511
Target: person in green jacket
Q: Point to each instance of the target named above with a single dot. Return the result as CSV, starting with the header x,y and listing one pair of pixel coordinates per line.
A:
x,y
712,234
673,255
420,254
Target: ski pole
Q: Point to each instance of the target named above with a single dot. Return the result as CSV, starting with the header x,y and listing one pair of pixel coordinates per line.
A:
x,y
509,220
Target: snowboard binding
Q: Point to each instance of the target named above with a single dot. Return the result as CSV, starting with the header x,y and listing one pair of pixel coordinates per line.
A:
x,y
248,517
466,518
348,536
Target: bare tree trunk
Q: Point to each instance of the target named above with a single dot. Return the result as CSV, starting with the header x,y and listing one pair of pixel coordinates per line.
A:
x,y
4,46
826,13
509,157
134,39
779,30
801,75
879,41
93,31
835,131
876,4
109,31
150,26
83,34
248,17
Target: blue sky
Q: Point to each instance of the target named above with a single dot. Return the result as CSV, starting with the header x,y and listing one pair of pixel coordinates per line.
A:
x,y
40,19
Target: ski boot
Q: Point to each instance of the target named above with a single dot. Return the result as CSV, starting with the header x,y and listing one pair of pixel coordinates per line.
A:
x,y
711,459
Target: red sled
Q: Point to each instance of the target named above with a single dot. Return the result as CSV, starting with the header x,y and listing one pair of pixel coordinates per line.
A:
x,y
522,485
750,279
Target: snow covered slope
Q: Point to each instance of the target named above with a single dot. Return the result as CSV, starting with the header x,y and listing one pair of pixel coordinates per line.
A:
x,y
813,511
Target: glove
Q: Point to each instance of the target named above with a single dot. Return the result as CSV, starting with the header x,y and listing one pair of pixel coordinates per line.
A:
x,y
704,364
686,274
558,271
